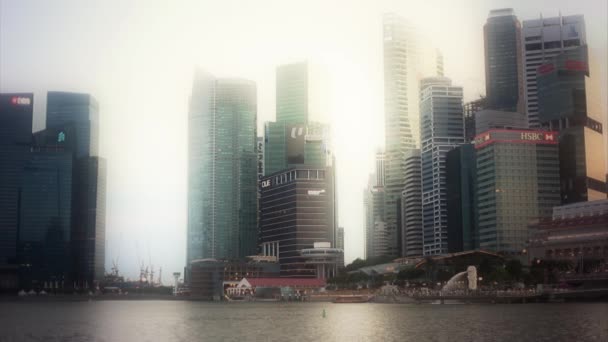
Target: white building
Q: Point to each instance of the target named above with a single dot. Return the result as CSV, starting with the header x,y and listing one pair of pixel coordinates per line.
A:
x,y
442,129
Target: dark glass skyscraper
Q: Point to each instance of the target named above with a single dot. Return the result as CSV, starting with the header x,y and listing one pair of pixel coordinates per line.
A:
x,y
567,103
80,111
46,228
222,169
296,210
504,85
461,193
75,117
16,112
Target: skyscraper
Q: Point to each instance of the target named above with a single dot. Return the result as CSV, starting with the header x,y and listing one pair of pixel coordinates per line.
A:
x,y
294,139
504,84
470,110
377,240
222,168
442,129
297,209
78,114
292,93
406,61
411,204
82,112
16,111
45,233
545,38
517,182
568,102
461,198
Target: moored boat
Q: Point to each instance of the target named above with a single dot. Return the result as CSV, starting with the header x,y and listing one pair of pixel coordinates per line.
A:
x,y
351,299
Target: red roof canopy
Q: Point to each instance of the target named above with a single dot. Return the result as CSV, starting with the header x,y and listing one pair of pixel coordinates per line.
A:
x,y
285,282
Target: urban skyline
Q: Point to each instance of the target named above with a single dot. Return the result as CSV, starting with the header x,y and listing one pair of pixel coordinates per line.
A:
x,y
350,228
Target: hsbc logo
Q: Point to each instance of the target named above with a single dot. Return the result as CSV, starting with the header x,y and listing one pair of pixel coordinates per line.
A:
x,y
21,101
549,137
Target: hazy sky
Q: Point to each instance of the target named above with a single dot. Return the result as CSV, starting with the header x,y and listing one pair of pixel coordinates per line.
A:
x,y
137,58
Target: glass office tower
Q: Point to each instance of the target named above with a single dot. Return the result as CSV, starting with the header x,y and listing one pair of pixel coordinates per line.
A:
x,y
545,38
79,110
222,168
568,102
294,139
296,210
75,117
45,234
442,129
504,83
16,112
461,198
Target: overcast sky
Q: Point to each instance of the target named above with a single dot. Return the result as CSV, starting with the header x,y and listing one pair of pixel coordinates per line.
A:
x,y
137,58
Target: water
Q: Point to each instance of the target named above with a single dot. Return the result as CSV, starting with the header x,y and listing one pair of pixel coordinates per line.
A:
x,y
197,321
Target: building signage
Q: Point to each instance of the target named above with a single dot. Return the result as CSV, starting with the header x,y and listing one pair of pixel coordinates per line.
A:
x,y
537,136
515,136
21,101
546,68
265,183
576,65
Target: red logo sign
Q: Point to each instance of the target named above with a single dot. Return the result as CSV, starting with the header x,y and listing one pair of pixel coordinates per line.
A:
x,y
549,137
546,68
576,65
21,101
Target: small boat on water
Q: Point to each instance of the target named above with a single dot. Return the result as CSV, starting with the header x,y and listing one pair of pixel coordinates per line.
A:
x,y
351,299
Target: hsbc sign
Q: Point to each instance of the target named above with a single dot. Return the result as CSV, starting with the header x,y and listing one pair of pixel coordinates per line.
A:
x,y
515,136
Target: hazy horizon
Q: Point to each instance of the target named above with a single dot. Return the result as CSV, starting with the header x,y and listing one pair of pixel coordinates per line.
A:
x,y
137,59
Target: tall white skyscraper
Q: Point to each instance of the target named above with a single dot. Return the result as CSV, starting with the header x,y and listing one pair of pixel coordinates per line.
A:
x,y
543,39
442,130
407,60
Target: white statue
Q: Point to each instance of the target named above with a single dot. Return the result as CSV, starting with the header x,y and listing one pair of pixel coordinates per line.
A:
x,y
472,277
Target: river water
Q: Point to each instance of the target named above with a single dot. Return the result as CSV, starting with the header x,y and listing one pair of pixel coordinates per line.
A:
x,y
198,321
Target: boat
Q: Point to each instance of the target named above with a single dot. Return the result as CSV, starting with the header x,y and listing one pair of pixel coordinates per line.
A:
x,y
351,299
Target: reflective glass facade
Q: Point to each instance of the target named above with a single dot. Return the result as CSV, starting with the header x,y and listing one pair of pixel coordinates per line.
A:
x,y
566,104
222,169
461,198
80,111
292,93
296,210
15,139
502,37
72,121
46,229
